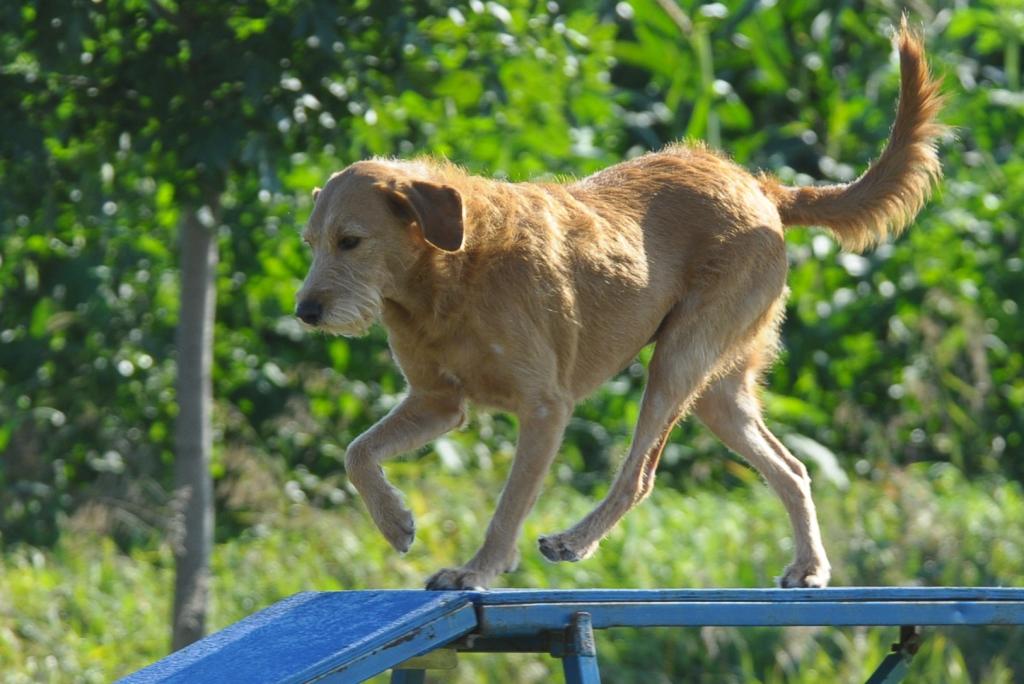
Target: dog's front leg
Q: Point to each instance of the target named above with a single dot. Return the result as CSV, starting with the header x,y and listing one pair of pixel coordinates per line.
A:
x,y
419,418
540,433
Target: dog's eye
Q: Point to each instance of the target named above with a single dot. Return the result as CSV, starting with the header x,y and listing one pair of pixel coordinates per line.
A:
x,y
348,242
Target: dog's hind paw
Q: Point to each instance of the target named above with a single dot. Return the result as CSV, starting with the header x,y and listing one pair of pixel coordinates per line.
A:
x,y
557,548
449,579
809,576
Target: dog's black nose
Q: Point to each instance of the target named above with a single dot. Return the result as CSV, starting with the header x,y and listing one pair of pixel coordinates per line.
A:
x,y
309,311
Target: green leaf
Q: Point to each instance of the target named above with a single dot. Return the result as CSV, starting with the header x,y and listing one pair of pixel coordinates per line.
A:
x,y
41,314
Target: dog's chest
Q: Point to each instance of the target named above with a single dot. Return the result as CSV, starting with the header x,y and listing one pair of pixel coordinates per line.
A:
x,y
482,373
478,369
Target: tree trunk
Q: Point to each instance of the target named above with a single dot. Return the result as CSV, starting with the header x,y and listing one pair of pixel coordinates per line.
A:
x,y
193,494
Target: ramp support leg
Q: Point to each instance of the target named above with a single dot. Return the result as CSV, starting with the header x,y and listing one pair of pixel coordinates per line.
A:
x,y
895,665
580,660
408,676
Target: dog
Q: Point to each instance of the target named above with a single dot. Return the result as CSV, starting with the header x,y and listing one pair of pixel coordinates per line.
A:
x,y
526,297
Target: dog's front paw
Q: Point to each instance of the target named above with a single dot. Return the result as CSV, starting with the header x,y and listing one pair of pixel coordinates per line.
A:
x,y
458,578
397,525
805,575
559,547
512,564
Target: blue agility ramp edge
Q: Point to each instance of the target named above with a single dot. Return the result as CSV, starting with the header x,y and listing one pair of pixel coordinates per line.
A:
x,y
523,612
351,636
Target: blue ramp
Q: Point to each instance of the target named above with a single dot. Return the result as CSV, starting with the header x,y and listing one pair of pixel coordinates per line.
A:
x,y
349,636
346,636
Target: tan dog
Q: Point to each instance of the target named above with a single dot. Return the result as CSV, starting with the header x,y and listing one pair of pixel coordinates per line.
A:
x,y
525,297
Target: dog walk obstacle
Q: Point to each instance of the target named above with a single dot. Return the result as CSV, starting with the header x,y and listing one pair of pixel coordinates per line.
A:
x,y
349,636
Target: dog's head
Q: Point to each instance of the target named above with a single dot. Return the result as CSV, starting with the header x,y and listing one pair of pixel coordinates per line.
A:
x,y
369,224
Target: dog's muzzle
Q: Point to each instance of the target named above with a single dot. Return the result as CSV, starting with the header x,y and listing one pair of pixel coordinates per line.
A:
x,y
309,311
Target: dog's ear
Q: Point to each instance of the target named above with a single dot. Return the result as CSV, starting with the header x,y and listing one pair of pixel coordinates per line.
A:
x,y
436,209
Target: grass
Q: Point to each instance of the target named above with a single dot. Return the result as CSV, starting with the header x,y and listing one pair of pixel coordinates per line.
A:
x,y
86,611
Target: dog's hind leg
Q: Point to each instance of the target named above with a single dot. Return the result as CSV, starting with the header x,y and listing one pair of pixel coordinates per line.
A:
x,y
729,408
701,337
690,346
419,418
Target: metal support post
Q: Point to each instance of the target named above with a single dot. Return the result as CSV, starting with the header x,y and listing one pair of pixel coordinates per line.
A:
x,y
408,676
580,660
895,665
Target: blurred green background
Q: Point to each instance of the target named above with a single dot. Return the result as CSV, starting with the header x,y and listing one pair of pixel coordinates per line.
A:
x,y
901,384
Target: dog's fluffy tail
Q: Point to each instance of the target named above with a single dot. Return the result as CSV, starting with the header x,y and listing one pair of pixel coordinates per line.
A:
x,y
884,200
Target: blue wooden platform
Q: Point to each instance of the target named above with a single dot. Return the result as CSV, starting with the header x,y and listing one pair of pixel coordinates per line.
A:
x,y
350,636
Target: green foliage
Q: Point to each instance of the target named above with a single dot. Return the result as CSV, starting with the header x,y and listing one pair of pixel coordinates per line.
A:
x,y
122,117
